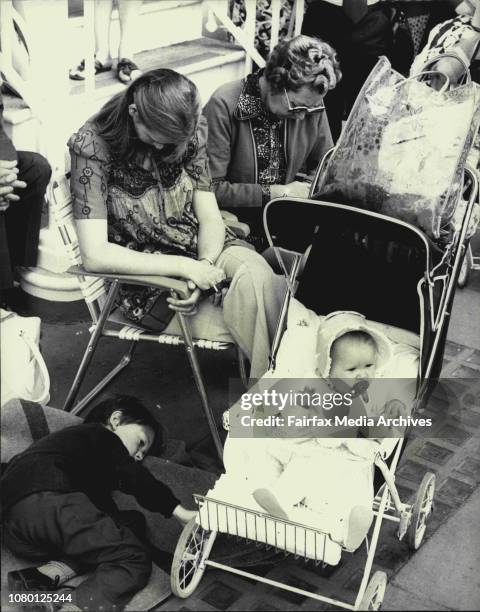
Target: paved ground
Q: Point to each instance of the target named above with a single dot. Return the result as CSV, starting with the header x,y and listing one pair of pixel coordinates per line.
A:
x,y
442,575
435,578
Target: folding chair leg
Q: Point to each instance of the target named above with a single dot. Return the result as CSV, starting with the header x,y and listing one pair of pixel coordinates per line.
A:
x,y
123,363
197,375
91,347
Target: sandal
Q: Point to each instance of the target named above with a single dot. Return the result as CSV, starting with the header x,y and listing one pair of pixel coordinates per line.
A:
x,y
126,70
78,73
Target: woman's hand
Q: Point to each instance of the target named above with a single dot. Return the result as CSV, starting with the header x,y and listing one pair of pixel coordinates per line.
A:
x,y
295,189
9,182
203,274
188,306
183,515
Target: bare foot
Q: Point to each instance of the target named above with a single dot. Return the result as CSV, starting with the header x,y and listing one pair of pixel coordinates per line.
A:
x,y
269,502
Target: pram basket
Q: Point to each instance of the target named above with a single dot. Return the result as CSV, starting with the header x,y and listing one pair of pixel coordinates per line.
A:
x,y
197,539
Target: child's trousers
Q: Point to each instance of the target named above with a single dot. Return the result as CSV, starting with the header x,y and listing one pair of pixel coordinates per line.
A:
x,y
70,528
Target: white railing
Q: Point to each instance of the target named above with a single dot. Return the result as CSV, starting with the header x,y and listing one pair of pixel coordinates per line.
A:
x,y
245,36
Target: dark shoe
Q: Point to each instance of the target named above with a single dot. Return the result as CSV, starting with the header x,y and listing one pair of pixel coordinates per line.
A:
x,y
30,579
126,70
78,73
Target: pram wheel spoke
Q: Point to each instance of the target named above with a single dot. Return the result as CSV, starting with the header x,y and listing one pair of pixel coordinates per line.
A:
x,y
375,592
187,567
421,510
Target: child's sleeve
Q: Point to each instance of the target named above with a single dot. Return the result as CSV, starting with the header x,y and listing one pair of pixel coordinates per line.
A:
x,y
134,479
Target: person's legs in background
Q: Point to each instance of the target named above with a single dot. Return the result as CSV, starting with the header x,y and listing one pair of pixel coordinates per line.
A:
x,y
127,70
128,12
20,223
330,23
358,45
103,19
371,38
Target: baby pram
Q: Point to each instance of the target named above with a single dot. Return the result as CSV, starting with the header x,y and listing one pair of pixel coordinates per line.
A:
x,y
348,259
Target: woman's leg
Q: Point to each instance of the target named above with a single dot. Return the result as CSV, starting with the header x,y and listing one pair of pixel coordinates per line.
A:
x,y
252,304
128,12
103,18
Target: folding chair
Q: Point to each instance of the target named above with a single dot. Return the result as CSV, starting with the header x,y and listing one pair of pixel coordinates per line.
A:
x,y
100,300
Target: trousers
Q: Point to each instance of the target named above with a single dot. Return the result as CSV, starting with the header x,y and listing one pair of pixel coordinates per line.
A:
x,y
70,528
358,47
20,223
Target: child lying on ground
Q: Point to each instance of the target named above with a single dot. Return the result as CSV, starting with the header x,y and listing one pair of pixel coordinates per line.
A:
x,y
313,469
57,504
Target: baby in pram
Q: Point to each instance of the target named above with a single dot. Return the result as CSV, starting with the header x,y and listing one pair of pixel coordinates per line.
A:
x,y
322,473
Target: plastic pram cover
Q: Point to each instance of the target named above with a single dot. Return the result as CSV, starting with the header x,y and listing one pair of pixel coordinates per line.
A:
x,y
403,149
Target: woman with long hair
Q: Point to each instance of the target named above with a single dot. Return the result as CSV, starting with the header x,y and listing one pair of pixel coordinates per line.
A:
x,y
143,204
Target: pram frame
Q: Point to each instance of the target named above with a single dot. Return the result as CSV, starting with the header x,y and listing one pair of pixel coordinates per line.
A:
x,y
387,503
458,243
382,508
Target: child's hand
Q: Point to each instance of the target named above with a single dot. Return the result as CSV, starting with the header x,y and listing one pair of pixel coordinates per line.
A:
x,y
183,515
395,409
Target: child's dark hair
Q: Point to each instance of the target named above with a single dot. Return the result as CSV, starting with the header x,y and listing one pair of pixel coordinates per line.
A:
x,y
133,411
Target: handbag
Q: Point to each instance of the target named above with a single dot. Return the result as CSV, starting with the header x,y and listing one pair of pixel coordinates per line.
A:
x,y
24,374
403,149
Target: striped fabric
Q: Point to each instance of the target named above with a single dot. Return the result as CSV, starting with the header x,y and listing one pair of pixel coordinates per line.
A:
x,y
23,423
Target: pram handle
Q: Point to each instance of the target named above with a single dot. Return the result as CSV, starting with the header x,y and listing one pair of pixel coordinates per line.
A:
x,y
433,60
318,171
424,73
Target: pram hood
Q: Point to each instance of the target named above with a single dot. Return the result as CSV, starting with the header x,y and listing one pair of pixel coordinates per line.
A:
x,y
337,324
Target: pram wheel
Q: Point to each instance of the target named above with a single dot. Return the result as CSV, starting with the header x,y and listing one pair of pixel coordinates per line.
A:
x,y
187,570
421,509
375,592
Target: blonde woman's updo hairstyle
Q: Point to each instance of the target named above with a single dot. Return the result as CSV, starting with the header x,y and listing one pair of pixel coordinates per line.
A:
x,y
303,61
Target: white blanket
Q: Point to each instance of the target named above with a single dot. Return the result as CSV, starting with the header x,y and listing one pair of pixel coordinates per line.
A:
x,y
254,524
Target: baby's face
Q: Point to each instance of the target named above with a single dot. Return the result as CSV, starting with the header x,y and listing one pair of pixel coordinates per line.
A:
x,y
353,359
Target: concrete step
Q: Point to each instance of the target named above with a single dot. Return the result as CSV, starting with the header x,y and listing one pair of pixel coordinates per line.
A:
x,y
189,58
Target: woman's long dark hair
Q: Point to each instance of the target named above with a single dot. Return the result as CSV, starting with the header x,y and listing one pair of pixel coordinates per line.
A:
x,y
166,101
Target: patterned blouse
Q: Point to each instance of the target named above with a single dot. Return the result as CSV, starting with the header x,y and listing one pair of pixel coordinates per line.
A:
x,y
148,204
268,133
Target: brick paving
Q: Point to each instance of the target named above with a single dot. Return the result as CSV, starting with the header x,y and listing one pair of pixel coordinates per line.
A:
x,y
452,453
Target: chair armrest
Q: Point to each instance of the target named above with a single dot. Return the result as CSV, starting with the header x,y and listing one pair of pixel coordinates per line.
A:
x,y
161,282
